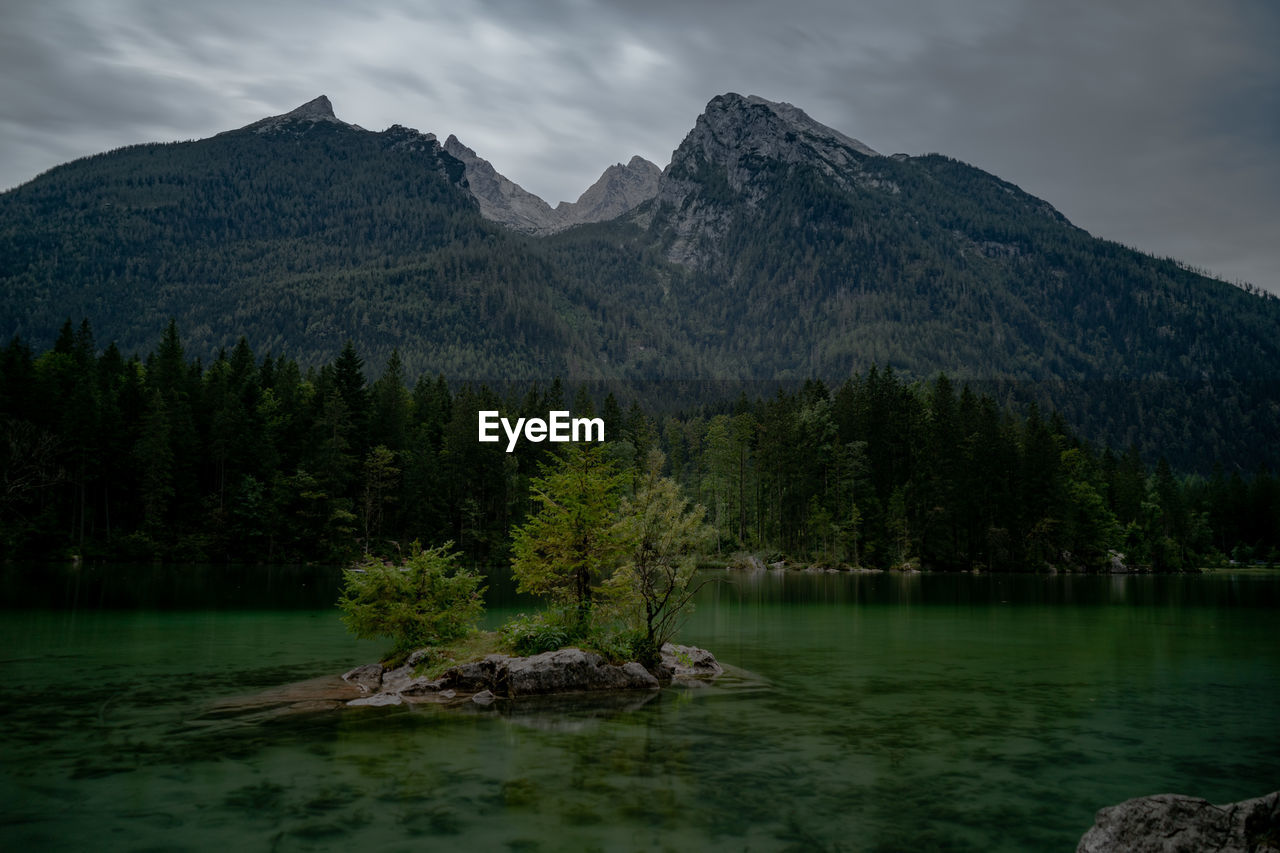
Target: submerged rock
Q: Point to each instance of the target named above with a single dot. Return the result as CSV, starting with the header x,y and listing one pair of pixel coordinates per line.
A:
x,y
378,700
1172,823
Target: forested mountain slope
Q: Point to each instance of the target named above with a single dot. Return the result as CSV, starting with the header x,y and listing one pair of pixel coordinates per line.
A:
x,y
811,255
297,231
773,248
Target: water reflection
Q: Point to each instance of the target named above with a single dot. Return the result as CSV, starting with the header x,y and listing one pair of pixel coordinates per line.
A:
x,y
896,588
879,712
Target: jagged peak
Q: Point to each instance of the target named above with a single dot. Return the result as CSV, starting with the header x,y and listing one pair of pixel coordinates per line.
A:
x,y
318,108
453,143
789,114
315,110
500,199
638,163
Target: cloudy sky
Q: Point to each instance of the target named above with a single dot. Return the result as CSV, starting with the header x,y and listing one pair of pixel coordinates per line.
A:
x,y
1151,122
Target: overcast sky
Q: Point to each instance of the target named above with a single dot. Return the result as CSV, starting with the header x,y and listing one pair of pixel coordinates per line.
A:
x,y
1153,123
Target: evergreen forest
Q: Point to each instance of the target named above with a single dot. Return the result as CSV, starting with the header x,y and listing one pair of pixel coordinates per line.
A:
x,y
252,458
304,235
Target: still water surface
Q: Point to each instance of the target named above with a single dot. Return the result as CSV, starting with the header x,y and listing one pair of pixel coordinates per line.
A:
x,y
880,712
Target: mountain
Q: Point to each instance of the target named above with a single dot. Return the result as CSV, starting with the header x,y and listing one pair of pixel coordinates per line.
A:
x,y
797,232
771,247
500,199
619,190
299,231
301,119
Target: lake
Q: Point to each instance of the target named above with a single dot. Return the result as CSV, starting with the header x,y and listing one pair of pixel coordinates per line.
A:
x,y
875,712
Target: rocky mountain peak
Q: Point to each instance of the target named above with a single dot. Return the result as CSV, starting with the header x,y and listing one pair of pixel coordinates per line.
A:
x,y
735,131
618,190
455,147
318,108
501,200
800,120
300,119
734,141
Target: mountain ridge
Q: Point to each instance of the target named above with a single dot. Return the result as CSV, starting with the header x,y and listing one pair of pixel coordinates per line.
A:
x,y
770,248
619,189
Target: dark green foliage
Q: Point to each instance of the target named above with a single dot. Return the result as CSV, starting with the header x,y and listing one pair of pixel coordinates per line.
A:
x,y
309,239
568,544
427,601
663,538
251,459
544,631
304,238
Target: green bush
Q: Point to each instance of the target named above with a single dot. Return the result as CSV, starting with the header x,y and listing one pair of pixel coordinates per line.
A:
x,y
545,631
616,646
559,627
646,651
428,601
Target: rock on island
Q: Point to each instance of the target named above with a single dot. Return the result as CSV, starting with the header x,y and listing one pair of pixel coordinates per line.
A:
x,y
569,670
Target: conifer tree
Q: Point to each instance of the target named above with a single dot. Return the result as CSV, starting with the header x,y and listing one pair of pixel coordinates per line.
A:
x,y
569,544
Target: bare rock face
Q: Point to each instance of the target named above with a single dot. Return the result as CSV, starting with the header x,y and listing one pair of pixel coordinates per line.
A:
x,y
620,189
734,136
501,200
477,675
733,139
1172,823
738,133
317,109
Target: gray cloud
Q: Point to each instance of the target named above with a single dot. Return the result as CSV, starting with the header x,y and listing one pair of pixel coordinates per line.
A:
x,y
1153,123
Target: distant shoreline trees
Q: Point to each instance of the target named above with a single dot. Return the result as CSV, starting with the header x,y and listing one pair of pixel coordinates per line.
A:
x,y
250,458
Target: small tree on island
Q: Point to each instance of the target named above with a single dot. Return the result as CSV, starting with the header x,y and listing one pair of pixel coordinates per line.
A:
x,y
428,601
663,536
570,543
635,557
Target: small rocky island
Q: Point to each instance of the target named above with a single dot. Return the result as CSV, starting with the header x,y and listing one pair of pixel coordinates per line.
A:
x,y
498,676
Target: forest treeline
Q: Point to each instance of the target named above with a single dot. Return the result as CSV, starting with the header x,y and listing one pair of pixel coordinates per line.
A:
x,y
305,235
253,459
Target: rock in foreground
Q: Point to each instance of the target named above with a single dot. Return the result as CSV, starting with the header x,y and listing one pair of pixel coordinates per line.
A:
x,y
563,671
1172,823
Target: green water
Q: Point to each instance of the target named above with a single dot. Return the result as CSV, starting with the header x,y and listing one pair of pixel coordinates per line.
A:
x,y
882,713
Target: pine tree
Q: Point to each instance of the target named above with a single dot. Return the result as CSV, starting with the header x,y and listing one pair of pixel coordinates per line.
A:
x,y
569,544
